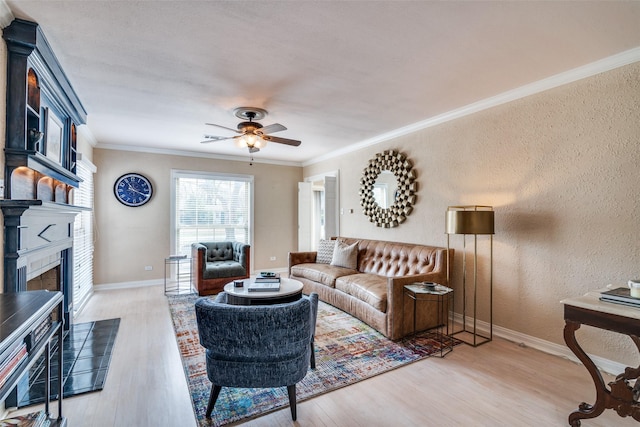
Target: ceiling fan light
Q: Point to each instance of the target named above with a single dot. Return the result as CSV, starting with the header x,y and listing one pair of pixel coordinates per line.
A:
x,y
251,140
250,134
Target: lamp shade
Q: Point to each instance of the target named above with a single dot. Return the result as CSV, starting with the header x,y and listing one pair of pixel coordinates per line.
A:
x,y
469,222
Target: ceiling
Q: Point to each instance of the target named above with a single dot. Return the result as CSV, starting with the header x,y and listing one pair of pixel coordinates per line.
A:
x,y
335,73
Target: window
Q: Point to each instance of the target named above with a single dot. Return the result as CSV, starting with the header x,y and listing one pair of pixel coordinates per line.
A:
x,y
380,195
83,236
210,207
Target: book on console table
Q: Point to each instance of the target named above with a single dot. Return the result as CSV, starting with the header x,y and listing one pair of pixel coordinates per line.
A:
x,y
620,296
263,287
10,364
35,419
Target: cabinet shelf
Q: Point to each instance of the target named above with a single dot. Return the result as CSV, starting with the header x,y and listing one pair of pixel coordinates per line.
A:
x,y
40,100
20,314
28,363
58,423
39,162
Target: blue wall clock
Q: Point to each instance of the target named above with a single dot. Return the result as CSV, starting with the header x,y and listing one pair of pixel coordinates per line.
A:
x,y
133,189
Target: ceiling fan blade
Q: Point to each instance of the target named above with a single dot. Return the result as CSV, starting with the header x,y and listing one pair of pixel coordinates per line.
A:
x,y
217,138
276,127
223,127
277,139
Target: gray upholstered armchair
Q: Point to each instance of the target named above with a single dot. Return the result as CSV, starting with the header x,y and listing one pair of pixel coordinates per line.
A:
x,y
218,263
257,346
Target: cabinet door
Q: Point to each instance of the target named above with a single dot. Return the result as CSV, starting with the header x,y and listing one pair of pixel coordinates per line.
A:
x,y
331,214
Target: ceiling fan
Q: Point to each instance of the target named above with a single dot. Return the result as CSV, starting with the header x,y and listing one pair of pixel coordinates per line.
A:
x,y
252,134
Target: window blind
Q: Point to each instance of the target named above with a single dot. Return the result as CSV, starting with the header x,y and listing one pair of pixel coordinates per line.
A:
x,y
83,236
210,207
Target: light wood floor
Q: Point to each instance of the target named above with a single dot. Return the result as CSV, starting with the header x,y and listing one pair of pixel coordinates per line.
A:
x,y
496,384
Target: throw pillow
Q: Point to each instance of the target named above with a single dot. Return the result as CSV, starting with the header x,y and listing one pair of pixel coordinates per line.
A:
x,y
345,255
325,251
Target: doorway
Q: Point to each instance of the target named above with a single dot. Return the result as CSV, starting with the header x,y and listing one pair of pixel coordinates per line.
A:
x,y
318,210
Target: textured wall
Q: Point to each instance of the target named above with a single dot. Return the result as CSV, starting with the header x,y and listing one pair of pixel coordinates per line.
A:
x,y
561,168
130,238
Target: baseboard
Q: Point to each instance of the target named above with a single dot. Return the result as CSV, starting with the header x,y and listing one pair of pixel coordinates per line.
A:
x,y
154,282
606,365
123,285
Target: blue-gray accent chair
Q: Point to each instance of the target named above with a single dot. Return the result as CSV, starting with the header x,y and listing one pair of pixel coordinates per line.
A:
x,y
261,346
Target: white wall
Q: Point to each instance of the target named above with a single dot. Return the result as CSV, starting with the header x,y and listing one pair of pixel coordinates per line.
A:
x,y
561,168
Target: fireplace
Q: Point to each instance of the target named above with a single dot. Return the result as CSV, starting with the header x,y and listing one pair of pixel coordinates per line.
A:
x,y
47,281
39,248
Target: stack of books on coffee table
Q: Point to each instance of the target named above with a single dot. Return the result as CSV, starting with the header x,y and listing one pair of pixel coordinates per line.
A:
x,y
265,282
620,296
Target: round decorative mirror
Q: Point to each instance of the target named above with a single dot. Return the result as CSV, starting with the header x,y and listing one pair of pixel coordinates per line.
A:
x,y
387,189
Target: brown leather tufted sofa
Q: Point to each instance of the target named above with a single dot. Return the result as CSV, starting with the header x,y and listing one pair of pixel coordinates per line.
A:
x,y
374,292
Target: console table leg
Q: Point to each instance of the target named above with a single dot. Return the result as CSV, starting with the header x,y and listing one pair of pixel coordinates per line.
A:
x,y
585,410
624,397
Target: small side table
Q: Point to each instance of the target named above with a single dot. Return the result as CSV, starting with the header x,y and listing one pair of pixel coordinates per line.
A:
x,y
442,296
182,274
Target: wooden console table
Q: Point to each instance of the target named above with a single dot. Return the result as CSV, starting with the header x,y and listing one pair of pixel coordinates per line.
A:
x,y
620,396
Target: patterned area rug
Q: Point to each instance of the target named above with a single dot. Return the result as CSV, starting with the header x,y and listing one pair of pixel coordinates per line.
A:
x,y
347,351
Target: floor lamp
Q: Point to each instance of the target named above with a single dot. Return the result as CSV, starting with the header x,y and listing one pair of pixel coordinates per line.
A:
x,y
472,220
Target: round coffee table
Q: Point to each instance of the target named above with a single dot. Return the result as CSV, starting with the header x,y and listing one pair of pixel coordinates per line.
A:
x,y
290,290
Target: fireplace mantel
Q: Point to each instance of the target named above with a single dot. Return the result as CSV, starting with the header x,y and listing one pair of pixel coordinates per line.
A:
x,y
38,237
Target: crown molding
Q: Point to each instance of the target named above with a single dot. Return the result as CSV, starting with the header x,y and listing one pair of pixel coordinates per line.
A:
x,y
195,154
607,64
6,16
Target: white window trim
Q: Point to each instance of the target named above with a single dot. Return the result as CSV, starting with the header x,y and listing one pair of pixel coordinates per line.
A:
x,y
177,173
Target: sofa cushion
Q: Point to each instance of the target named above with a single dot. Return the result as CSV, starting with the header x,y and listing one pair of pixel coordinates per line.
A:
x,y
325,251
369,288
345,255
218,269
321,273
393,259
